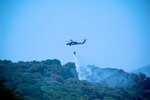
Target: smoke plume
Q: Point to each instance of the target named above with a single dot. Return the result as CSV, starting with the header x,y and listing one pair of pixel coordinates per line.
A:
x,y
110,77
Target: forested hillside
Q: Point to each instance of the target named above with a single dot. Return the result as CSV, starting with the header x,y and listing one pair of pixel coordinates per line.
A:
x,y
49,80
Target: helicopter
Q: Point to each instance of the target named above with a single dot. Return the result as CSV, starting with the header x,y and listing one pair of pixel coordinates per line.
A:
x,y
75,43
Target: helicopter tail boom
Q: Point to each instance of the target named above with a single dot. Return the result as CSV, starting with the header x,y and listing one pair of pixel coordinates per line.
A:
x,y
84,41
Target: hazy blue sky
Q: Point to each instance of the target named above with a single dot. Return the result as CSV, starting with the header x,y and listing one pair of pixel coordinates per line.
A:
x,y
118,31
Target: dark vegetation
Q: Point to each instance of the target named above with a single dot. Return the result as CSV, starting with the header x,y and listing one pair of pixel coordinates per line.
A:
x,y
8,94
49,80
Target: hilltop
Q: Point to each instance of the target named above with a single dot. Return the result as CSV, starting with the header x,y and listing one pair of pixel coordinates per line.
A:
x,y
50,80
145,70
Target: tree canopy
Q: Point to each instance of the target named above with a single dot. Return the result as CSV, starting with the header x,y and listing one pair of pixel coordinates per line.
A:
x,y
49,80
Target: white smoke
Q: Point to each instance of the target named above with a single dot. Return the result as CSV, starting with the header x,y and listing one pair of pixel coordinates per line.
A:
x,y
78,69
82,71
104,76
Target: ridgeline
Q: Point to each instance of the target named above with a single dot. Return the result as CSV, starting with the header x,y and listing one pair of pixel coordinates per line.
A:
x,y
49,80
